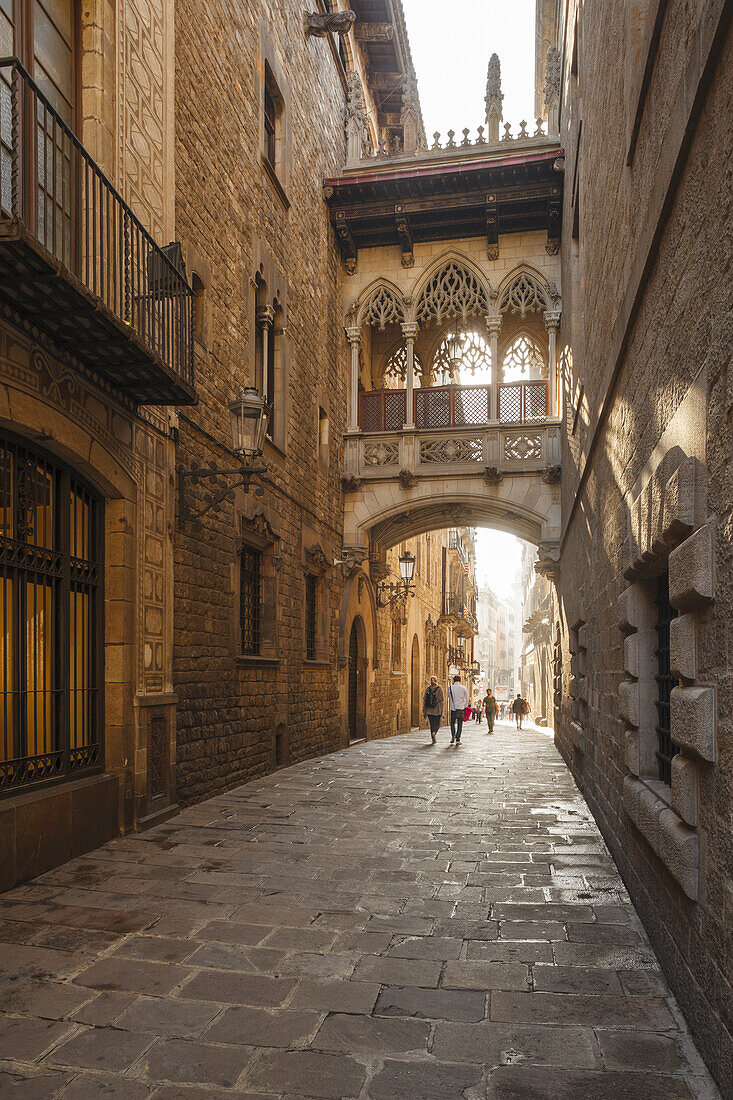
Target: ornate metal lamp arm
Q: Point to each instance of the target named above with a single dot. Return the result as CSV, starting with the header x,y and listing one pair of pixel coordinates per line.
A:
x,y
243,473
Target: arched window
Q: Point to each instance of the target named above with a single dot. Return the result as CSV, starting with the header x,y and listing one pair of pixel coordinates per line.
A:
x,y
51,597
474,354
395,368
523,359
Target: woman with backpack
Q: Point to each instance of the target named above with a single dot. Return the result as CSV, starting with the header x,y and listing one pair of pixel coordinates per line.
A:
x,y
432,706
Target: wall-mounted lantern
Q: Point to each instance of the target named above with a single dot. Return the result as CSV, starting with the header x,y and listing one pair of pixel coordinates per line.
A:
x,y
248,416
389,593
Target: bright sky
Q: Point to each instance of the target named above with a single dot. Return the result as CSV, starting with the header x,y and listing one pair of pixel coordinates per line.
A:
x,y
498,560
451,45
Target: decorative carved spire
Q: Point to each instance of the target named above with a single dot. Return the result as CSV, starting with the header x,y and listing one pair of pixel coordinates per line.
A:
x,y
356,119
410,114
494,97
552,89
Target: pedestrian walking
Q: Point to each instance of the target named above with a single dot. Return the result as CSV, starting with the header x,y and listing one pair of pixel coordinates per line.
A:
x,y
458,703
492,709
478,710
432,706
517,709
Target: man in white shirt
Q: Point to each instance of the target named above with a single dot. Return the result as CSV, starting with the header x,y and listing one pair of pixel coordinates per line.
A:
x,y
457,702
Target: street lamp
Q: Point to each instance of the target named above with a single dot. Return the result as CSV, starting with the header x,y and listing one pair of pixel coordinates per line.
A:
x,y
389,593
248,415
456,342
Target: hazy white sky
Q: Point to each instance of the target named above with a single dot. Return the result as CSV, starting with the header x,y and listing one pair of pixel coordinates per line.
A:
x,y
498,560
451,46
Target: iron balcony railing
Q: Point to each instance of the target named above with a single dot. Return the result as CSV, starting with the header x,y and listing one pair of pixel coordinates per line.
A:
x,y
455,607
455,406
51,186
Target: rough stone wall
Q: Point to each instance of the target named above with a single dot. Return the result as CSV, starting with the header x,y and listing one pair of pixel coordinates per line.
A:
x,y
649,276
231,217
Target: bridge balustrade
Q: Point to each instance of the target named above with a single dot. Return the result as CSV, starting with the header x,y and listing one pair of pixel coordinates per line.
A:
x,y
455,406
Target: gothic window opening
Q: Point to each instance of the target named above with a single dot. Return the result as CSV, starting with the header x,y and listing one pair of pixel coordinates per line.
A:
x,y
250,600
51,613
666,748
474,354
311,616
395,368
523,359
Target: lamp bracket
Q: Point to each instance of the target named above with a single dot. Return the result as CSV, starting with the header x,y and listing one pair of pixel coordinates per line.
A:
x,y
243,473
387,594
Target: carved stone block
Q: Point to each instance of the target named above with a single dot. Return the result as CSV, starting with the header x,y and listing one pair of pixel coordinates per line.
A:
x,y
692,720
684,788
628,610
679,849
577,736
631,655
632,753
583,636
631,794
683,647
628,703
678,515
691,571
650,808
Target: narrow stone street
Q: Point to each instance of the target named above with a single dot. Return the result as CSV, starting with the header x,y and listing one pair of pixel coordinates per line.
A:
x,y
395,920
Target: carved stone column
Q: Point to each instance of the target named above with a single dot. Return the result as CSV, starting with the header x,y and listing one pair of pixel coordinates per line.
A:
x,y
410,330
265,316
353,335
552,323
493,324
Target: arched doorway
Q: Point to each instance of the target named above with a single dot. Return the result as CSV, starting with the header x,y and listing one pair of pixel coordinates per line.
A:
x,y
415,684
357,681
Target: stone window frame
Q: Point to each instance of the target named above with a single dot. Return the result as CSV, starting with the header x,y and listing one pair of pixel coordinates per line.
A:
x,y
396,645
668,528
269,290
270,74
316,563
257,534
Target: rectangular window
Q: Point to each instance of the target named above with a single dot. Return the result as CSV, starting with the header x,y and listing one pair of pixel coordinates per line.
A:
x,y
396,645
50,609
311,615
666,747
270,127
250,599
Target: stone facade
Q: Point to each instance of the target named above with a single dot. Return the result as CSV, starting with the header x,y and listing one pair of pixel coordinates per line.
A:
x,y
124,114
646,474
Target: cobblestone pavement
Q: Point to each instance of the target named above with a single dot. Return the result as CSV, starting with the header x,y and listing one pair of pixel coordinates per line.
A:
x,y
395,920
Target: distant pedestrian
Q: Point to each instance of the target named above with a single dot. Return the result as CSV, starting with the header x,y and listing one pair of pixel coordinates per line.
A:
x,y
517,709
458,703
492,709
478,710
432,706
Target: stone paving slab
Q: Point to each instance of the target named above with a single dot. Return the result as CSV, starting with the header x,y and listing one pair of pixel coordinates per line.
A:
x,y
391,921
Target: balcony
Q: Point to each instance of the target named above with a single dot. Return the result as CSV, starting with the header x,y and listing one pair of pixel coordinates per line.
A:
x,y
76,261
458,615
453,434
455,406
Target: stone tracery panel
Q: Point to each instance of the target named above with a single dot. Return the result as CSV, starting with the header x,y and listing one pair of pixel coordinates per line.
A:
x,y
452,291
523,295
381,309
